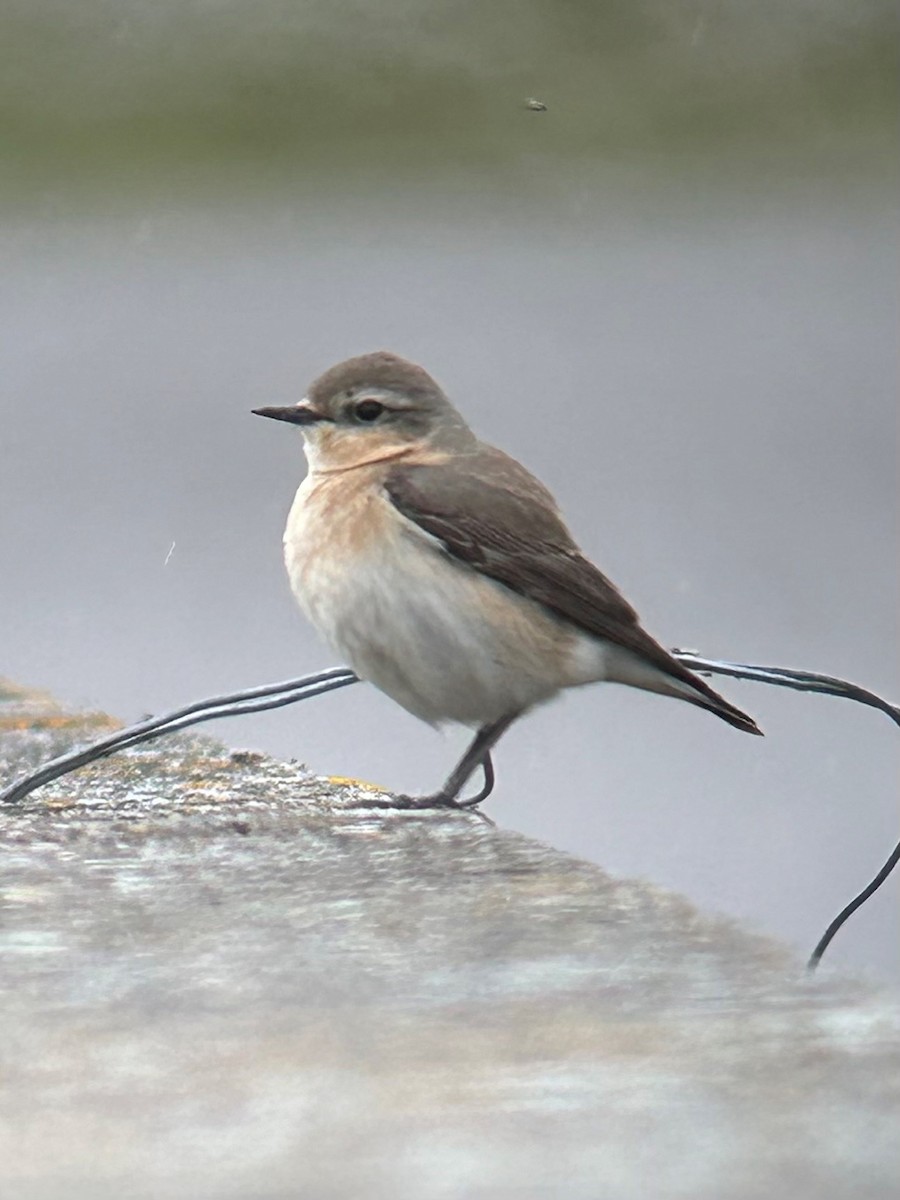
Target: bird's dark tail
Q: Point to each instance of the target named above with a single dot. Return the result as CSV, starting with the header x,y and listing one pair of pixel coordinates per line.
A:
x,y
647,665
696,690
728,712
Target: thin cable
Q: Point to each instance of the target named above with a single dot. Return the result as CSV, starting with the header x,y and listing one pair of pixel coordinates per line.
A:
x,y
228,705
809,681
850,909
800,681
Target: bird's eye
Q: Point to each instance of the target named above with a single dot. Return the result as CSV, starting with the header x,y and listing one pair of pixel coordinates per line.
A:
x,y
368,411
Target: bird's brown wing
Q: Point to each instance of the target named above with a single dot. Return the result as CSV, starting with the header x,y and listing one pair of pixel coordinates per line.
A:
x,y
491,514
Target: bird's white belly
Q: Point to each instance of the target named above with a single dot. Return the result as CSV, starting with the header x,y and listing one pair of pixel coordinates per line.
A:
x,y
443,641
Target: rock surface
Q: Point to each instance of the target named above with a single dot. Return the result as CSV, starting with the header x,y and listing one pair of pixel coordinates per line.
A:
x,y
221,977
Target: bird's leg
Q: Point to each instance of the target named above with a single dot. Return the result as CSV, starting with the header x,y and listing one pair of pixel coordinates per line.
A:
x,y
487,787
479,752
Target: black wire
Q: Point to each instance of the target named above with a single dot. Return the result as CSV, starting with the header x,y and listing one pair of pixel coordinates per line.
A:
x,y
809,681
850,909
800,681
231,704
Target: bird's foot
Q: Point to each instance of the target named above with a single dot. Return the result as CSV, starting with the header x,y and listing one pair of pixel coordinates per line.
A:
x,y
438,800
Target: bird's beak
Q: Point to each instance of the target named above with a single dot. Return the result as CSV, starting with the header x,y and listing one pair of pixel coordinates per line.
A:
x,y
296,414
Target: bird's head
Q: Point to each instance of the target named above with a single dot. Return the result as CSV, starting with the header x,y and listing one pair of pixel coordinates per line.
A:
x,y
376,406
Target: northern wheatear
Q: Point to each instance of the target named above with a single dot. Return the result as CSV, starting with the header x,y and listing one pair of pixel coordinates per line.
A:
x,y
441,570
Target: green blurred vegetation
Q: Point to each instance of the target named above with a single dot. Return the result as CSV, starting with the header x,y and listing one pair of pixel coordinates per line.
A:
x,y
106,91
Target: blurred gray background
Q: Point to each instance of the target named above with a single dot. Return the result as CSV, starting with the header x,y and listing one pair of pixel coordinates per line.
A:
x,y
673,294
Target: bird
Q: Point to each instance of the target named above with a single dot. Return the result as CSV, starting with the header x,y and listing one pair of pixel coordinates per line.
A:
x,y
443,572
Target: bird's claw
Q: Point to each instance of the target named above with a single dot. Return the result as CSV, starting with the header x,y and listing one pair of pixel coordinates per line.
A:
x,y
440,802
424,802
